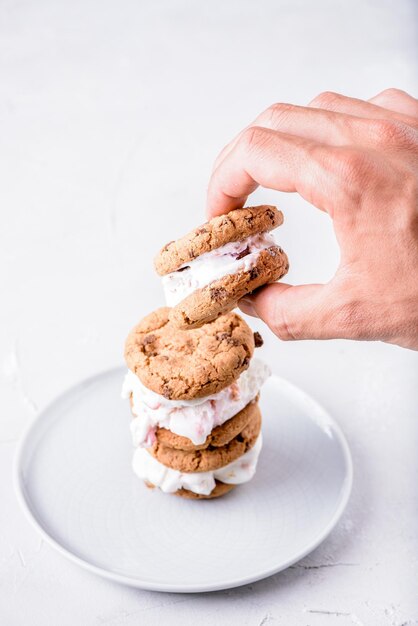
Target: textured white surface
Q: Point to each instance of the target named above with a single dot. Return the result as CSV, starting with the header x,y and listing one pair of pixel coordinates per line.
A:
x,y
94,509
111,115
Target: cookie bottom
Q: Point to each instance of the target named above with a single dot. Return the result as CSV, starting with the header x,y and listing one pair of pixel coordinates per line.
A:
x,y
212,457
219,490
154,473
221,296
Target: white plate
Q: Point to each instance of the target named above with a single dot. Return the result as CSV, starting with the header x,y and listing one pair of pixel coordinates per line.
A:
x,y
74,480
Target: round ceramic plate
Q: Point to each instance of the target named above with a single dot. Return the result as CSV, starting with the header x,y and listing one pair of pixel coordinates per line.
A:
x,y
74,479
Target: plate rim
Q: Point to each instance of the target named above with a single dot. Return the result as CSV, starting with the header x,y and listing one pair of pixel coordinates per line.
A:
x,y
19,489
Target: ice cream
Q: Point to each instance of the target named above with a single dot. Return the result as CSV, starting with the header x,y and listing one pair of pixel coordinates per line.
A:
x,y
232,258
170,480
193,419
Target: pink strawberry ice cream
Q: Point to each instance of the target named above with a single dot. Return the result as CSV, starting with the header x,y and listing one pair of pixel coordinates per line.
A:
x,y
193,419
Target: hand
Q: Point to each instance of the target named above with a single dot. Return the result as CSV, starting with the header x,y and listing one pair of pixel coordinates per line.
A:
x,y
358,161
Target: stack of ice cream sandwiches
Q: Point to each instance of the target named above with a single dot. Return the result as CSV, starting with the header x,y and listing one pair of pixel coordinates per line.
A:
x,y
192,381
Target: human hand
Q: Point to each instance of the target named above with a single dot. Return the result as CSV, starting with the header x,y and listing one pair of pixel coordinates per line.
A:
x,y
358,161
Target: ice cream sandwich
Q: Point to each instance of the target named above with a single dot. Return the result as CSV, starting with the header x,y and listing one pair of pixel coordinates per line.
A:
x,y
207,271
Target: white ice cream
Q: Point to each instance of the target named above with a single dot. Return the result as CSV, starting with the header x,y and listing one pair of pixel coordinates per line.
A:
x,y
193,419
213,265
168,480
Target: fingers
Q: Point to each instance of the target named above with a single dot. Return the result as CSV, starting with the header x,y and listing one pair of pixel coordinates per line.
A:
x,y
302,312
331,101
260,157
324,175
398,101
327,127
227,149
310,312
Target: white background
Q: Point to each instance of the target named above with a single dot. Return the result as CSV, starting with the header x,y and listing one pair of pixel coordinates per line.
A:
x,y
111,116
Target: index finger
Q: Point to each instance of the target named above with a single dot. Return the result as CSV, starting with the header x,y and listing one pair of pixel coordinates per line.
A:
x,y
319,173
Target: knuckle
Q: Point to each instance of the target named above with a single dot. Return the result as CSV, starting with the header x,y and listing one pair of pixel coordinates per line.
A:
x,y
276,112
253,138
407,215
385,131
391,93
284,327
282,330
410,190
353,166
326,100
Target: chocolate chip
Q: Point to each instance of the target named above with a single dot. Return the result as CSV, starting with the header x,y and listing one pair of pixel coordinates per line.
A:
x,y
258,340
146,347
218,293
227,338
243,253
254,273
270,215
167,392
148,339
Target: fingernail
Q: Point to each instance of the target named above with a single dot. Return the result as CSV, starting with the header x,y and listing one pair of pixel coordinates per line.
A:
x,y
246,305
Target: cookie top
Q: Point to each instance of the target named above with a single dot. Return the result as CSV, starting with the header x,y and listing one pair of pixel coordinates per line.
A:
x,y
233,226
187,364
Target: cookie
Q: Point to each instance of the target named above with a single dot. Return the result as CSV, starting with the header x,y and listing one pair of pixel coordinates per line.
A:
x,y
219,490
205,273
182,365
233,226
221,296
220,436
211,458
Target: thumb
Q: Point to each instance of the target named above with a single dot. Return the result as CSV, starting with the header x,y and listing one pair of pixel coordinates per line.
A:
x,y
302,312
